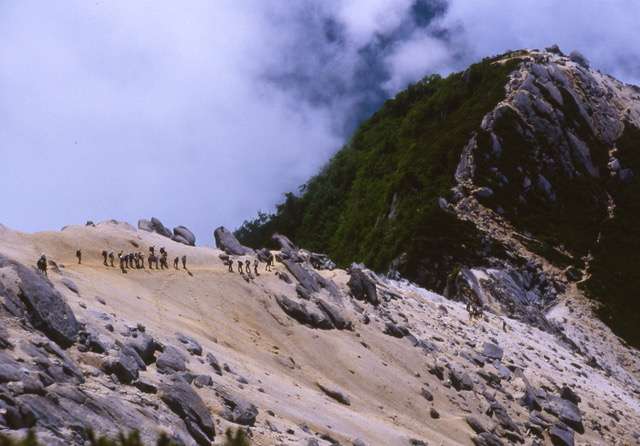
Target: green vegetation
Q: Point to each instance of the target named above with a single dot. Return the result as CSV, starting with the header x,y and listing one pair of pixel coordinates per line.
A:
x,y
232,438
378,197
237,438
133,439
615,269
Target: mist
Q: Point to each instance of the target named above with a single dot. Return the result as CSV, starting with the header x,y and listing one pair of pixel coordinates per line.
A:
x,y
202,113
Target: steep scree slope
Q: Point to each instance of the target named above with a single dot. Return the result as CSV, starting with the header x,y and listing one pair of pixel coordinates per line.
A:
x,y
298,356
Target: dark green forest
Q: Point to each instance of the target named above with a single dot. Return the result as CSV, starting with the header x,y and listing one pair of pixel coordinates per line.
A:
x,y
377,198
402,158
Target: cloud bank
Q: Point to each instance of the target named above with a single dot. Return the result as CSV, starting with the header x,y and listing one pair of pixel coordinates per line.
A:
x,y
203,112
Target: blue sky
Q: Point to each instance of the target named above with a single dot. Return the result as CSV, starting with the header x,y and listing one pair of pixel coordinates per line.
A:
x,y
203,112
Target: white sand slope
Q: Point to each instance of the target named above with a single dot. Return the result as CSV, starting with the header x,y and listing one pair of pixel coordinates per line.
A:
x,y
241,323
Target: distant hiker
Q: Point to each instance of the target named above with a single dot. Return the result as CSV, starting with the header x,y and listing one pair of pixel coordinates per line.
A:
x,y
247,266
504,325
121,261
240,266
152,260
79,256
42,264
163,259
184,262
111,258
141,257
230,265
255,267
477,311
104,256
269,262
175,262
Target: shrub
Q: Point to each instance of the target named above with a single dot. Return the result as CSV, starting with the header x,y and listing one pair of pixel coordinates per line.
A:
x,y
233,438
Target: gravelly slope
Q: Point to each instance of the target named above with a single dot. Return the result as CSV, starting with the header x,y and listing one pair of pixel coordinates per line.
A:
x,y
211,344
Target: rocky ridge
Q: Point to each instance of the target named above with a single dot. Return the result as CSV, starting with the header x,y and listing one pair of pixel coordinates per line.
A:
x,y
511,179
327,357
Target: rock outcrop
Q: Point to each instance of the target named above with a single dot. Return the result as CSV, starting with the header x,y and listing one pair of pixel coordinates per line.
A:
x,y
362,287
180,234
154,225
305,313
238,410
226,241
183,235
171,360
35,297
186,403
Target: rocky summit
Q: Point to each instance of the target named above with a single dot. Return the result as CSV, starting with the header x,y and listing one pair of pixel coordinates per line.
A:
x,y
511,176
461,273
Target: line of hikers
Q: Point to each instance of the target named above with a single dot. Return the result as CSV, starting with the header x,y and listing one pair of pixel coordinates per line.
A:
x,y
244,266
136,260
132,260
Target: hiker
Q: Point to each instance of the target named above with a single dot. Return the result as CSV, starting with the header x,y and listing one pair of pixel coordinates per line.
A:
x,y
162,251
42,264
247,266
79,256
230,264
240,266
141,257
269,262
477,311
163,259
111,258
151,259
255,267
504,325
121,261
104,256
184,262
175,262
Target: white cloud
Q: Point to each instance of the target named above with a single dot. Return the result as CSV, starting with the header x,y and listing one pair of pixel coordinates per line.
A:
x,y
365,18
203,112
605,31
413,59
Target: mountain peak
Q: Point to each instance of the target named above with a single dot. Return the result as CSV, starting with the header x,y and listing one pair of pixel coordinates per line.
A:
x,y
530,155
